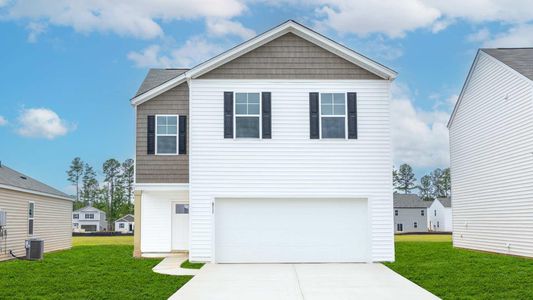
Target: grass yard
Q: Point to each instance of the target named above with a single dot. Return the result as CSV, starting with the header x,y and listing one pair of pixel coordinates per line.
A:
x,y
431,262
95,268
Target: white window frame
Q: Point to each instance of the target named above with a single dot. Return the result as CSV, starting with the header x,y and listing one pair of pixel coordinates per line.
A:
x,y
177,134
320,116
260,115
121,225
31,217
76,216
87,214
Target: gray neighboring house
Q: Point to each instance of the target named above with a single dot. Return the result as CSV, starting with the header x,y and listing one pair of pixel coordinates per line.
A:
x,y
32,209
125,224
89,219
410,213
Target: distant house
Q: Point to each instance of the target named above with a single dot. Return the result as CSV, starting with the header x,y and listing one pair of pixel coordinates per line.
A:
x,y
491,160
440,215
410,213
125,224
88,219
31,209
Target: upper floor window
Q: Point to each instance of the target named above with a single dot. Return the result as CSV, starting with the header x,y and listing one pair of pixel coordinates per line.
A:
x,y
422,212
76,216
435,212
247,115
166,134
416,225
89,216
333,115
396,212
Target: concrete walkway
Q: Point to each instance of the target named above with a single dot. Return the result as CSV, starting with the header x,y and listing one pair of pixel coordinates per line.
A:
x,y
171,265
299,281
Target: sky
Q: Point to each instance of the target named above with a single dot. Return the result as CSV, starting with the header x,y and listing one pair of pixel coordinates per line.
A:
x,y
69,68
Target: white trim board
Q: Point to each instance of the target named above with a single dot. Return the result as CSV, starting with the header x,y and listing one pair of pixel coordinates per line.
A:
x,y
289,26
13,188
162,186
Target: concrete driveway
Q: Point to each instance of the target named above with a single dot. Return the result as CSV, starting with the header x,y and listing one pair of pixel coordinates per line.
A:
x,y
299,281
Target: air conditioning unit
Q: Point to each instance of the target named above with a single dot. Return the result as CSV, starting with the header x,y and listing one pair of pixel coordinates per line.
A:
x,y
3,218
34,249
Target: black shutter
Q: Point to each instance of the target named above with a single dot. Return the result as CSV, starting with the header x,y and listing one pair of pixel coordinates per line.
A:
x,y
313,116
228,115
183,135
267,115
150,138
352,115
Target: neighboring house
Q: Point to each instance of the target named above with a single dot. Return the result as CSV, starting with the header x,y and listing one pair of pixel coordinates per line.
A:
x,y
440,215
410,213
491,144
278,150
89,219
32,209
125,224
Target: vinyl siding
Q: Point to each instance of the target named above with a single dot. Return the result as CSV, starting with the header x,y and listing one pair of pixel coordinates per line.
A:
x,y
290,164
52,221
491,145
161,168
289,57
408,216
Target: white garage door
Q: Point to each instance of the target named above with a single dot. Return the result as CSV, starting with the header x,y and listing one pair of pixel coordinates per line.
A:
x,y
291,230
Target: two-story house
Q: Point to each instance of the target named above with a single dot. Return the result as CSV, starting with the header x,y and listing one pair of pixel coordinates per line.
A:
x,y
440,215
277,150
410,213
89,219
491,154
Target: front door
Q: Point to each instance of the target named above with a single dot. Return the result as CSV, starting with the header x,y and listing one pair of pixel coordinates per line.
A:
x,y
180,226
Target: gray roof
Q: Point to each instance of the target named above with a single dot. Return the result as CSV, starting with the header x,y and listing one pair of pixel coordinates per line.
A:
x,y
519,59
156,77
89,208
410,201
446,202
15,179
126,218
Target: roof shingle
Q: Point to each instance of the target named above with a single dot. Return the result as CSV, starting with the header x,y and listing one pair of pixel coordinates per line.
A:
x,y
15,179
410,201
519,59
156,77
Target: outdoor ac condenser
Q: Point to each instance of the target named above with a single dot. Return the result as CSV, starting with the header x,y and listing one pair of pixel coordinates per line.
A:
x,y
34,249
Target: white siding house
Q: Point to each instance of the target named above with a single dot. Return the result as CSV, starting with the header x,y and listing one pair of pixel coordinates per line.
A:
x,y
491,144
89,219
410,213
287,161
125,224
440,215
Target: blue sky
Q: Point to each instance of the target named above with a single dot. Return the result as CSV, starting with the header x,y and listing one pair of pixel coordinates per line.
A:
x,y
69,69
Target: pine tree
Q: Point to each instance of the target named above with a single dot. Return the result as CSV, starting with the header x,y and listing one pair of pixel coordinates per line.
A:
x,y
446,182
89,185
111,170
437,183
404,179
424,188
74,173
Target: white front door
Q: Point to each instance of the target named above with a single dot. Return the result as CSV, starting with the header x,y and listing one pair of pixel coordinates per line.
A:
x,y
180,226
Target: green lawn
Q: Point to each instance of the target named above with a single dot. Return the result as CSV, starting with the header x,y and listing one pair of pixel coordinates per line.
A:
x,y
88,271
452,273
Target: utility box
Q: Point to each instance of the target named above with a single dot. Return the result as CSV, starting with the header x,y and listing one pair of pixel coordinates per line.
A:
x,y
34,249
3,218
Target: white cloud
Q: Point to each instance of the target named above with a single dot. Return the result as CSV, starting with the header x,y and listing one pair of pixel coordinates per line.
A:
x,y
223,27
517,36
195,50
35,29
420,138
479,36
3,121
42,123
137,18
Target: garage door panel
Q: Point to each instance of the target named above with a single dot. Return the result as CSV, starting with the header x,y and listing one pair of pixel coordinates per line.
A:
x,y
291,230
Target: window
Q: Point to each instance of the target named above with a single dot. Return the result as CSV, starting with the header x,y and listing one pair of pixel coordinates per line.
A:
x,y
422,212
399,227
31,214
166,134
416,225
435,212
396,212
89,216
182,208
120,225
438,224
333,115
76,225
247,115
76,216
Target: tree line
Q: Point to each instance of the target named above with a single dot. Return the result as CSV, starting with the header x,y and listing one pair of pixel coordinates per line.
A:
x,y
113,195
436,184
